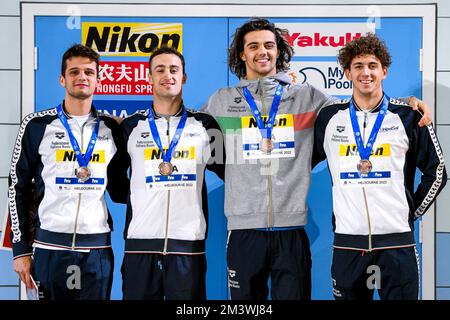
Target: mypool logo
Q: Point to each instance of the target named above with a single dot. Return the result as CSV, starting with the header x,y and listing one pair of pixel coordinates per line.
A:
x,y
326,76
130,39
323,38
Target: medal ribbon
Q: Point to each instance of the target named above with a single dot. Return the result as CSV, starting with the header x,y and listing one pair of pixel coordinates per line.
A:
x,y
83,160
266,131
365,151
167,156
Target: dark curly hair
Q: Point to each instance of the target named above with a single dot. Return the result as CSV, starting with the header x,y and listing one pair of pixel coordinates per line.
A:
x,y
78,50
368,44
237,66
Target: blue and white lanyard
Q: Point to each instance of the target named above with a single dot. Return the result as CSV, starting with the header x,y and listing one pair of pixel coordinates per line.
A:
x,y
365,151
167,156
83,160
266,131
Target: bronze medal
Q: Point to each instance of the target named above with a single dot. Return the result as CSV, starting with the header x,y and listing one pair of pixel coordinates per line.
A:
x,y
165,168
83,173
364,166
266,146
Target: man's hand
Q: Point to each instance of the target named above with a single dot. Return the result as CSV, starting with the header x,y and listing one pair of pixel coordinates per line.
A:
x,y
22,266
417,104
294,78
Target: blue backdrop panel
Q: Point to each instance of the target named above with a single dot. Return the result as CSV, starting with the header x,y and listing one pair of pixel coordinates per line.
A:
x,y
205,43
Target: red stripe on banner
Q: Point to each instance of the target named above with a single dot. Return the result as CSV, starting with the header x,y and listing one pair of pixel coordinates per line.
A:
x,y
304,121
6,235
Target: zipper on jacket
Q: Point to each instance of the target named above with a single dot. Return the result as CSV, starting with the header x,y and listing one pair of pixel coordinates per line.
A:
x,y
364,189
79,196
166,236
269,176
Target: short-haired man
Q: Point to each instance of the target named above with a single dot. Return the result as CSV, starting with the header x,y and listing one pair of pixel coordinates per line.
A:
x,y
169,149
71,153
373,146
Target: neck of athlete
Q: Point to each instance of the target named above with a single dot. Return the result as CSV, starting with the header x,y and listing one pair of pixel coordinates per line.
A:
x,y
367,101
77,107
167,105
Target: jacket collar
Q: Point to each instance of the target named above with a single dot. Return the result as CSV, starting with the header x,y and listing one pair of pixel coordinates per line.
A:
x,y
279,77
94,112
177,114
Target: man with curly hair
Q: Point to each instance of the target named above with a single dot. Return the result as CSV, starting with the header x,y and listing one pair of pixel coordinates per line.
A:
x,y
268,126
373,146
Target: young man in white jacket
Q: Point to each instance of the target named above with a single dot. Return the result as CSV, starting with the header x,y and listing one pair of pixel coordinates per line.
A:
x,y
169,148
70,155
373,146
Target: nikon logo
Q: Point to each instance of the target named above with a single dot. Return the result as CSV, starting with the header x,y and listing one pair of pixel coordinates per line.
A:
x,y
156,154
348,150
69,155
131,39
282,120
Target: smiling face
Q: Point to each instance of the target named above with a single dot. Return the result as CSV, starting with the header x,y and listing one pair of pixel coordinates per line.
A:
x,y
166,75
366,73
260,54
80,78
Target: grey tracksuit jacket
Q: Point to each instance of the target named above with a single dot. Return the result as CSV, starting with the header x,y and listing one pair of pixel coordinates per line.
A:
x,y
267,193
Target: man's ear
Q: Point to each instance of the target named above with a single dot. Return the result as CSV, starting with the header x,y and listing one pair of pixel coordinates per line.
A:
x,y
184,78
150,79
347,74
62,80
242,55
385,72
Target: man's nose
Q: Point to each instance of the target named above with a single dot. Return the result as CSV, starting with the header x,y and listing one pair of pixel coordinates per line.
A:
x,y
83,75
262,50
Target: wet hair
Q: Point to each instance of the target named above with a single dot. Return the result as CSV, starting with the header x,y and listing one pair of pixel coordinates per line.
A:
x,y
78,50
237,66
368,44
166,50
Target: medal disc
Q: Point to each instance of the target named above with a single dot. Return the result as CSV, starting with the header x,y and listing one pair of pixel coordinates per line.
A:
x,y
165,168
83,173
266,146
364,166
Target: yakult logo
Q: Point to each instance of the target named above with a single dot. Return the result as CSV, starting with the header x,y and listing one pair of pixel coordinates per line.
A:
x,y
323,39
318,39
